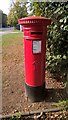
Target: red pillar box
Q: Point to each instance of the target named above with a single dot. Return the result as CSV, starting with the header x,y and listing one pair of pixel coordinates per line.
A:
x,y
35,35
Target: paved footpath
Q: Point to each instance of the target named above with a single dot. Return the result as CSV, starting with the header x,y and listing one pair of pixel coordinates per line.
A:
x,y
6,31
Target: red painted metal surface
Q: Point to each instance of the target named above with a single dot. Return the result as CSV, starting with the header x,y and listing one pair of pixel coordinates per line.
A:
x,y
35,35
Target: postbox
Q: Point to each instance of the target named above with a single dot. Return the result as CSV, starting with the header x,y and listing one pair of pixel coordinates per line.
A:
x,y
35,35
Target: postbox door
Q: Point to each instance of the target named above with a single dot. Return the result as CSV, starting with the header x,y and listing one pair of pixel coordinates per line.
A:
x,y
34,63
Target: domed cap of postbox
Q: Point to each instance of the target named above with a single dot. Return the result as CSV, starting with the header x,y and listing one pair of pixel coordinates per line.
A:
x,y
34,20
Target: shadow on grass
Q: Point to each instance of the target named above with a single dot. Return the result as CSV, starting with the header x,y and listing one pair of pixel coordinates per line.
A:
x,y
55,95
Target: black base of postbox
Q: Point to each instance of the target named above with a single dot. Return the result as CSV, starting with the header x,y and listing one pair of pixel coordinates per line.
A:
x,y
35,94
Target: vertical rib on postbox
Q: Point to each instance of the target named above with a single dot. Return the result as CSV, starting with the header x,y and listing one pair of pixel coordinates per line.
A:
x,y
35,35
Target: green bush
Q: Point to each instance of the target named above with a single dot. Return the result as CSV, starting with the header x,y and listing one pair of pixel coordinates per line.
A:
x,y
57,48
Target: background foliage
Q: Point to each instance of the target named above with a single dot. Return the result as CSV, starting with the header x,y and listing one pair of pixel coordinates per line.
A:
x,y
17,11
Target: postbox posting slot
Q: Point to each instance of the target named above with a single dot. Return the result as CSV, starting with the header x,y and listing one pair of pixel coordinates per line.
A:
x,y
36,33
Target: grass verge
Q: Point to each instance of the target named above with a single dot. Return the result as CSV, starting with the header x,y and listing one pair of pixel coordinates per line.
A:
x,y
63,104
10,39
